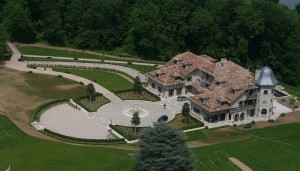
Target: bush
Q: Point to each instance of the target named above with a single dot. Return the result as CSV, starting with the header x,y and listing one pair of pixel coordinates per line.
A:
x,y
206,127
59,76
282,115
81,83
67,72
75,59
248,125
129,63
84,140
48,57
29,71
271,120
234,125
253,122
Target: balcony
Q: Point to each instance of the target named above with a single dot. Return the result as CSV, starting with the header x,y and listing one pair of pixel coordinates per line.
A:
x,y
244,108
252,96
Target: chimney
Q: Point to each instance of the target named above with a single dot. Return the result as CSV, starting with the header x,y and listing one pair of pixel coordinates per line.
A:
x,y
223,61
257,72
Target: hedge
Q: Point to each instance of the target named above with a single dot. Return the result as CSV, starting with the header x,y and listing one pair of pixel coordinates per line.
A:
x,y
83,67
35,114
157,98
83,140
128,137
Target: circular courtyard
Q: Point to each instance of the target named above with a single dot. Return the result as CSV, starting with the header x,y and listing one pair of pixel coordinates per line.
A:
x,y
121,113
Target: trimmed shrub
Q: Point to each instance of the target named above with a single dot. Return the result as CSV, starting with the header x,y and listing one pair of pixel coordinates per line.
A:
x,y
75,59
35,114
206,127
59,76
29,72
81,83
129,63
248,125
271,120
234,125
84,140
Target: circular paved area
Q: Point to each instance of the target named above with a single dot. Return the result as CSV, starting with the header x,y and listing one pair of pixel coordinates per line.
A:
x,y
69,121
117,113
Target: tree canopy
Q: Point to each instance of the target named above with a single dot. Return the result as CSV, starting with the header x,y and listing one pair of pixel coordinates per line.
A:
x,y
252,33
163,148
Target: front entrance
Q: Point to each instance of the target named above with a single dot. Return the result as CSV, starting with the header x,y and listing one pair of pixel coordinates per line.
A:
x,y
171,92
179,91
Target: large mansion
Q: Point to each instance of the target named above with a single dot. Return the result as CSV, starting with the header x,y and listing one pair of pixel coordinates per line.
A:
x,y
219,91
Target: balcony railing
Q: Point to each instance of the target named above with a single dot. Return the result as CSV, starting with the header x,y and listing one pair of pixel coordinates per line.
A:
x,y
252,96
238,109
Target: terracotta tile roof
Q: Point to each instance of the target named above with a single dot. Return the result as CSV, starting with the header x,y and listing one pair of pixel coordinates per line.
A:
x,y
230,79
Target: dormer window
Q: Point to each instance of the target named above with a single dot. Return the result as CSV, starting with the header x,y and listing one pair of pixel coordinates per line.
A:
x,y
223,104
175,62
177,78
202,100
157,75
219,85
233,91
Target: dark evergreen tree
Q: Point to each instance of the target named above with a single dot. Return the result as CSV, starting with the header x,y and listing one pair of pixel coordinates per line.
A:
x,y
163,148
185,111
90,90
135,121
137,85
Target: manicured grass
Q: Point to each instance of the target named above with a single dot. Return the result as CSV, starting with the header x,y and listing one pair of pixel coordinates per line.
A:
x,y
141,68
195,135
23,152
110,81
269,152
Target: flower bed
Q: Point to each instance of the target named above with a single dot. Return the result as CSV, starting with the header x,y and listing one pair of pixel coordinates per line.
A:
x,y
132,95
128,132
191,123
98,101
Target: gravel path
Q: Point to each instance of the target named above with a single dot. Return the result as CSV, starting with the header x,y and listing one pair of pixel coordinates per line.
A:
x,y
69,121
240,164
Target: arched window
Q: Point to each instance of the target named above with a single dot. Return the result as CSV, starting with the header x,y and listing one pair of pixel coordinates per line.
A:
x,y
266,92
236,117
242,117
264,111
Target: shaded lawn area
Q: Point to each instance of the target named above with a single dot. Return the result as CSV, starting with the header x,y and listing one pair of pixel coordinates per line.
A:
x,y
270,152
108,80
23,152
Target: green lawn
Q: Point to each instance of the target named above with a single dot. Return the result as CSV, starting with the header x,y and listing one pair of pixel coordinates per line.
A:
x,y
142,68
23,152
195,135
270,152
110,81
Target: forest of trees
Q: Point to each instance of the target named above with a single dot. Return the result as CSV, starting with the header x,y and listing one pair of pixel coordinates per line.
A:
x,y
252,33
